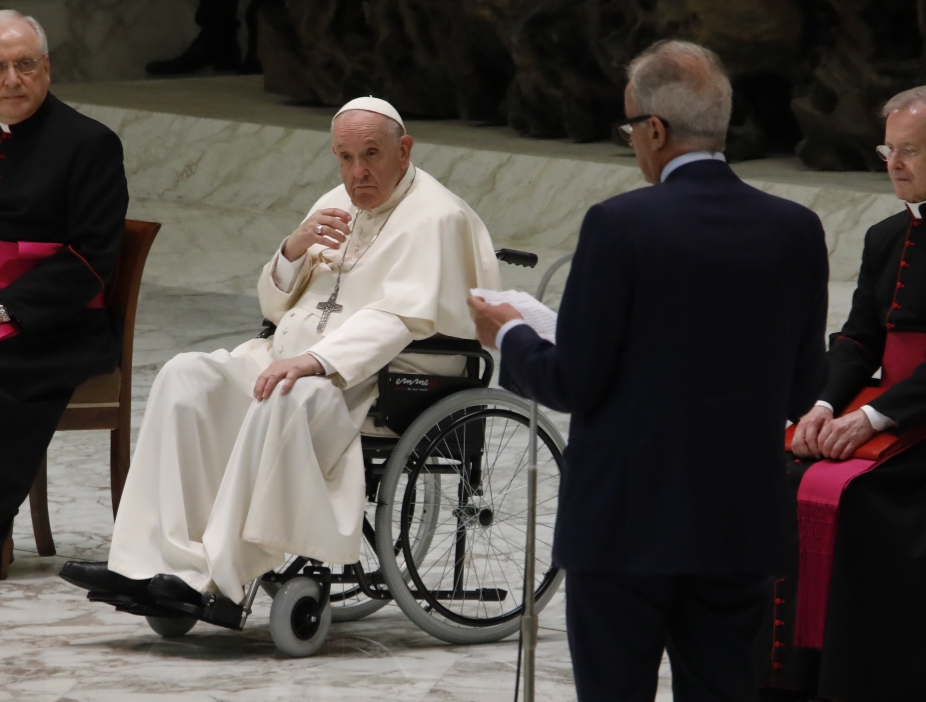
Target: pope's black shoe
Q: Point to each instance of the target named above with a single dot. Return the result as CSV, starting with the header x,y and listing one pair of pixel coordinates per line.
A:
x,y
97,577
170,587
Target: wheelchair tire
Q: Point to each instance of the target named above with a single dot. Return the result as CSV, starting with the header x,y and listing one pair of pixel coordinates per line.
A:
x,y
297,626
171,627
468,588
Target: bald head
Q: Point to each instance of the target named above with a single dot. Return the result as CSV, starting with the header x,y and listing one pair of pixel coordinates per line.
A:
x,y
373,153
17,22
686,86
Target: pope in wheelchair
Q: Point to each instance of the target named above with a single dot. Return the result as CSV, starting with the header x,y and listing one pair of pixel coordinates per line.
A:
x,y
246,456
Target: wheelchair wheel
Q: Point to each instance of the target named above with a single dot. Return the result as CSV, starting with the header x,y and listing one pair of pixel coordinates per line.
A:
x,y
473,448
171,627
298,625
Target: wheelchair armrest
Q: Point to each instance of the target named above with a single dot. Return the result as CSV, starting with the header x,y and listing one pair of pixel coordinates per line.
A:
x,y
451,346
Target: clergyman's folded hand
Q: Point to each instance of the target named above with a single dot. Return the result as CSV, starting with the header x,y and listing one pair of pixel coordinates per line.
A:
x,y
839,438
805,443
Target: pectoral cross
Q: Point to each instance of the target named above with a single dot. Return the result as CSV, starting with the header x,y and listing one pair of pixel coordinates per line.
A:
x,y
327,308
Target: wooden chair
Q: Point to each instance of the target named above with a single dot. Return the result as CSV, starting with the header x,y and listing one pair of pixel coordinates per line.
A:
x,y
105,401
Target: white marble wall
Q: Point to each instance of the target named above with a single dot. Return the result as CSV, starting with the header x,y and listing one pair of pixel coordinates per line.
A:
x,y
94,40
531,201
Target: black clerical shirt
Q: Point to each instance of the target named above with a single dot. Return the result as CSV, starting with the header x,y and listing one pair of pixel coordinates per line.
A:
x,y
62,181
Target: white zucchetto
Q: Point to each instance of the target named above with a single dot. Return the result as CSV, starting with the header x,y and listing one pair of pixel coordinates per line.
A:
x,y
372,104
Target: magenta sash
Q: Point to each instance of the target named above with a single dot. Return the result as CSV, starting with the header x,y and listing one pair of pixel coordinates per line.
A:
x,y
822,487
19,257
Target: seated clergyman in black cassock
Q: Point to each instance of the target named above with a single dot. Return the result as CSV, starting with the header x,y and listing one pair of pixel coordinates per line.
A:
x,y
848,622
63,199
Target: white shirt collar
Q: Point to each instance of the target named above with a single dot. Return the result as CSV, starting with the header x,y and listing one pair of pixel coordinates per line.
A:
x,y
690,157
5,127
915,208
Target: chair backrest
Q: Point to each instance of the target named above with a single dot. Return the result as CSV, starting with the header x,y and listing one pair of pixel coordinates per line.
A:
x,y
96,403
123,293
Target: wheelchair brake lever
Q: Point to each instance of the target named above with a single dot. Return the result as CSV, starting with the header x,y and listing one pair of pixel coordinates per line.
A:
x,y
517,258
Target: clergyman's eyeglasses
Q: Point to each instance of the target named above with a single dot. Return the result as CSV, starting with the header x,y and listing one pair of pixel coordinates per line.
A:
x,y
23,66
625,126
904,153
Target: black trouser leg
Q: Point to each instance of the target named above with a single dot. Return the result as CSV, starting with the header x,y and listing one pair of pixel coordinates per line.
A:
x,y
713,624
26,429
619,626
617,633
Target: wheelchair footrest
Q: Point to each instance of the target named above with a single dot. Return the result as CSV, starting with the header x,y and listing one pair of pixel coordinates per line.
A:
x,y
128,604
482,594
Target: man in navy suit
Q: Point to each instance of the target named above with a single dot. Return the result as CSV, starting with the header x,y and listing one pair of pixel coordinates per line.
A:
x,y
691,328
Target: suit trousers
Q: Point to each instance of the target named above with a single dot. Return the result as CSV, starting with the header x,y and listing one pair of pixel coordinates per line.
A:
x,y
619,625
26,429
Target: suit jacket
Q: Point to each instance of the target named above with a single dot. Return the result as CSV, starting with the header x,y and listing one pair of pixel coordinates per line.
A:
x,y
62,181
891,296
691,327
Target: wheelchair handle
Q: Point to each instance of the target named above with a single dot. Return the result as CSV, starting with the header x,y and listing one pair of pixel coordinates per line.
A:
x,y
517,258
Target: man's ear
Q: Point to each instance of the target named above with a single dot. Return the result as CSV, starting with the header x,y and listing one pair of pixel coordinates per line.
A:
x,y
656,133
405,149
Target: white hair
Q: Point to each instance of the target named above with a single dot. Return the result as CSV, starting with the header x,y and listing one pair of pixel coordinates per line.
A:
x,y
908,98
685,85
6,15
397,130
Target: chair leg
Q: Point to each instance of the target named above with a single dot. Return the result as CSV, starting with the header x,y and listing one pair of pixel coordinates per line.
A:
x,y
118,463
38,503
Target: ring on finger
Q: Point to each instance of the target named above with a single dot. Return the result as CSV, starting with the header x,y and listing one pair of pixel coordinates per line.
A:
x,y
318,229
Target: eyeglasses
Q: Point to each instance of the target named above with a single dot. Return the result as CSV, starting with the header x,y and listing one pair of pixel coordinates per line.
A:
x,y
22,66
904,153
625,126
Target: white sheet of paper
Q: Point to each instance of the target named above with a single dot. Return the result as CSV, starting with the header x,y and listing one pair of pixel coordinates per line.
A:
x,y
540,317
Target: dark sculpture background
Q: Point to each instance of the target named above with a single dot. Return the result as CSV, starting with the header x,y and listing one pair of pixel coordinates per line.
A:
x,y
809,75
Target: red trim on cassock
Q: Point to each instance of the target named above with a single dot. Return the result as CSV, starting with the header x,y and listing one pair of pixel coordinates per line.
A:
x,y
102,284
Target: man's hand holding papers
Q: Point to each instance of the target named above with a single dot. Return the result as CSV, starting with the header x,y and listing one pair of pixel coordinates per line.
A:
x,y
493,309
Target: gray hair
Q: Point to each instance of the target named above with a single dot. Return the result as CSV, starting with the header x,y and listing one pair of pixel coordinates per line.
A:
x,y
6,15
397,130
685,85
908,98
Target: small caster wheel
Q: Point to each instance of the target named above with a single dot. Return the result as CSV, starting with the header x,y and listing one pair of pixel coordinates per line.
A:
x,y
298,624
171,627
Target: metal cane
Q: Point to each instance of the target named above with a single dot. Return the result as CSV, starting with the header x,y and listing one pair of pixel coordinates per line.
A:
x,y
529,620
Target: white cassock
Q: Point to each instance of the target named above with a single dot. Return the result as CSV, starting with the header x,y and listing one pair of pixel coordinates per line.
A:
x,y
221,486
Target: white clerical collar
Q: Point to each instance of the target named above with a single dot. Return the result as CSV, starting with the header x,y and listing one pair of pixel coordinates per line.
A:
x,y
5,127
915,208
400,191
690,157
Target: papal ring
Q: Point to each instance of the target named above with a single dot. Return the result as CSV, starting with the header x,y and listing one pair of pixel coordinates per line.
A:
x,y
318,229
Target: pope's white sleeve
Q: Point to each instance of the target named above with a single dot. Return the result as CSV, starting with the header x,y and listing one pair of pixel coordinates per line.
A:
x,y
366,342
284,271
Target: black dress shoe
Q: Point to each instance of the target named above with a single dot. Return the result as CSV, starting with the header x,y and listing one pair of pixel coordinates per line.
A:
x,y
97,577
170,587
208,49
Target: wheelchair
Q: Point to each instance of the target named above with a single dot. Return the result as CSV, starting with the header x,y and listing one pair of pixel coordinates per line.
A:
x,y
445,526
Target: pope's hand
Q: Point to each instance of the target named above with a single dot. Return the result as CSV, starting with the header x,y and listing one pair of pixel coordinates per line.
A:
x,y
806,436
335,227
286,373
490,318
839,439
